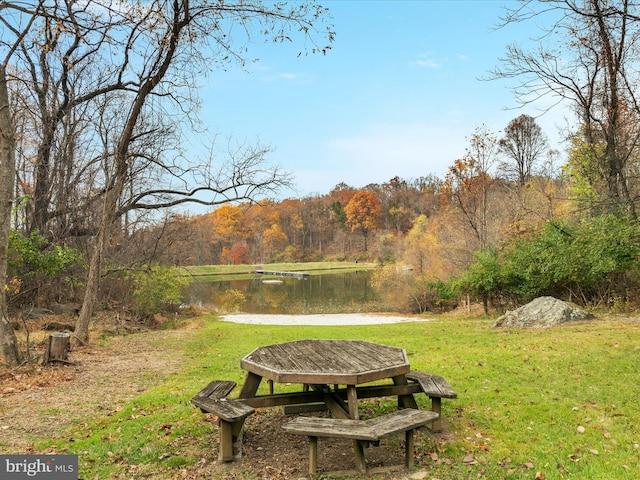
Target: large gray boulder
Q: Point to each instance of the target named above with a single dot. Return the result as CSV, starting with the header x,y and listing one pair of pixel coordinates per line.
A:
x,y
543,312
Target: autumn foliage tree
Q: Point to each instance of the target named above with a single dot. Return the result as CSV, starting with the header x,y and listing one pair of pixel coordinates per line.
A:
x,y
239,253
273,240
422,249
466,188
363,213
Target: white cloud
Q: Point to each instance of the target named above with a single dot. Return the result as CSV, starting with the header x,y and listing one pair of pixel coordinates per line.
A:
x,y
428,63
298,78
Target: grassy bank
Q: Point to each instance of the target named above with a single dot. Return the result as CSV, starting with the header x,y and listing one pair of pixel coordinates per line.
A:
x,y
563,402
313,268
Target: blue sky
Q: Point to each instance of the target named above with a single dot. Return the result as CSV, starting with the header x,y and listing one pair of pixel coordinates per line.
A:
x,y
400,93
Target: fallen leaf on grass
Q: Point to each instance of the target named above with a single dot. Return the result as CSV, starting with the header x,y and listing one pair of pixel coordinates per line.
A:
x,y
469,460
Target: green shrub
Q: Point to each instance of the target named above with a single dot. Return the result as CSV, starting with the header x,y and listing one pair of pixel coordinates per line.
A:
x,y
588,262
156,289
34,261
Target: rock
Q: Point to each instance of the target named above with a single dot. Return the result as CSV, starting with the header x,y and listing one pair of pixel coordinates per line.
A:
x,y
543,312
35,313
62,309
59,327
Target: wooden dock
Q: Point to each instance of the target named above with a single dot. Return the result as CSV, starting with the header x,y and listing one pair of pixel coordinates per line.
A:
x,y
282,274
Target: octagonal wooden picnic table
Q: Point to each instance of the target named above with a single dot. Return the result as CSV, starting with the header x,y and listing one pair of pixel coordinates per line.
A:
x,y
334,374
324,365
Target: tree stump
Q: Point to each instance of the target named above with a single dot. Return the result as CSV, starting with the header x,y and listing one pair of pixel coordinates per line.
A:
x,y
57,349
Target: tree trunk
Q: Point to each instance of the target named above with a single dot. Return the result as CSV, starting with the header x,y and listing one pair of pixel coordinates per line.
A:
x,y
121,166
81,333
8,341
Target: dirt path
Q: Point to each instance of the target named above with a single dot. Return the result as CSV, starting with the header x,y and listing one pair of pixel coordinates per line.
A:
x,y
40,405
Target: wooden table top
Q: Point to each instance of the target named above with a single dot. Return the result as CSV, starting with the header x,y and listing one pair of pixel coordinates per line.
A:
x,y
340,362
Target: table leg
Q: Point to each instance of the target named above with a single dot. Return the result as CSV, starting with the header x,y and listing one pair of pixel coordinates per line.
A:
x,y
230,440
361,464
436,406
226,442
352,401
358,447
408,447
313,455
250,386
232,432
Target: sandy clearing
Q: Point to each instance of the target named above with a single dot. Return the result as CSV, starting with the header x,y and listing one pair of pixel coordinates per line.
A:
x,y
319,319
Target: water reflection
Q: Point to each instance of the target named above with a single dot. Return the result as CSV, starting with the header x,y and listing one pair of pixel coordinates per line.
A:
x,y
331,293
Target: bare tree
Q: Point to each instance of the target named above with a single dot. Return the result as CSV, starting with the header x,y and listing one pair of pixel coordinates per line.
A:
x,y
524,144
586,56
169,32
15,34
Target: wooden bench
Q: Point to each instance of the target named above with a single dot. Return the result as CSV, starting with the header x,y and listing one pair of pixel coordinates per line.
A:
x,y
230,412
436,388
361,432
216,389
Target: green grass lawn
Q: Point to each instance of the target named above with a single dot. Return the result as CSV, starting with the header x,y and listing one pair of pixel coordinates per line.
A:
x,y
564,402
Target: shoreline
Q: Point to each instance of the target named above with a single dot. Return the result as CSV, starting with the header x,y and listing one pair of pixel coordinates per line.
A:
x,y
320,319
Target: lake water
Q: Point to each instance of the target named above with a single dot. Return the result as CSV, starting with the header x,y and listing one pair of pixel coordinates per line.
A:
x,y
331,293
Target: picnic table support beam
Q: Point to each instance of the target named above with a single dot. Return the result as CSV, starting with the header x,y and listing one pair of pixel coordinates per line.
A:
x,y
250,385
352,401
230,437
333,401
408,449
404,401
313,455
436,406
226,441
358,448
